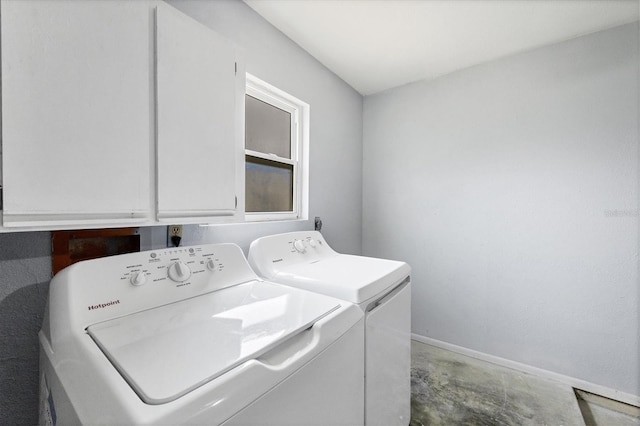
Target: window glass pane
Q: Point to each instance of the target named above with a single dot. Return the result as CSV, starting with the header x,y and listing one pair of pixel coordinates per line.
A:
x,y
269,186
267,128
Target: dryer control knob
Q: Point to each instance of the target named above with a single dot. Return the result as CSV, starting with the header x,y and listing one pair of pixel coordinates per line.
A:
x,y
211,265
138,278
179,272
313,243
299,246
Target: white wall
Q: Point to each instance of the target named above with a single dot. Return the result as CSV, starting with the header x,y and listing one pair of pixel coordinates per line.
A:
x,y
335,131
512,190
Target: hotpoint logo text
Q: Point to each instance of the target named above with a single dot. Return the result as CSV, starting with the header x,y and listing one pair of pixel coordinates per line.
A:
x,y
104,305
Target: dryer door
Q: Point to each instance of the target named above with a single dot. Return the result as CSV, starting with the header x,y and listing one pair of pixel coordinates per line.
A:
x,y
388,360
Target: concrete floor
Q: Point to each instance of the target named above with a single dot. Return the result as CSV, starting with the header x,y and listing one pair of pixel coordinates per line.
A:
x,y
452,389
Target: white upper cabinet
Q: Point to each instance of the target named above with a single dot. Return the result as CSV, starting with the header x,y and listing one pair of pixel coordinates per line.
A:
x,y
196,101
116,113
77,112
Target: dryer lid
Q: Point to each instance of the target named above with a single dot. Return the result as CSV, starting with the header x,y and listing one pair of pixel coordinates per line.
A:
x,y
166,352
355,279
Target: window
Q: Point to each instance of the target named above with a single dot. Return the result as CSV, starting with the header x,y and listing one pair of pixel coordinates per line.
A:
x,y
276,145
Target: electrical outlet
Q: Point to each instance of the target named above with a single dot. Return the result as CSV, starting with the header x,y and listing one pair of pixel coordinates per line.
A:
x,y
174,235
175,231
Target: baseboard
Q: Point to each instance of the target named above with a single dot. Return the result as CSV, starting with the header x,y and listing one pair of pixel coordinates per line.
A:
x,y
568,380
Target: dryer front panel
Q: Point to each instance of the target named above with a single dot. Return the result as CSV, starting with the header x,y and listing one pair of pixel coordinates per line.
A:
x,y
388,360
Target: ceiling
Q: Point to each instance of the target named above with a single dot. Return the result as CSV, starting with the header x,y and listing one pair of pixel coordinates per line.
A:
x,y
375,45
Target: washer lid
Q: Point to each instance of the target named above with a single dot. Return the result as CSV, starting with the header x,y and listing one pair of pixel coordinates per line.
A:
x,y
166,352
355,279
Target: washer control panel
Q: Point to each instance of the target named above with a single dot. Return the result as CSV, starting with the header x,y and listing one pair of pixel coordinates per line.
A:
x,y
175,266
114,286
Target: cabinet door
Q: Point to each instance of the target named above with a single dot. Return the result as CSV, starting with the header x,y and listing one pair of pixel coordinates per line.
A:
x,y
196,104
77,111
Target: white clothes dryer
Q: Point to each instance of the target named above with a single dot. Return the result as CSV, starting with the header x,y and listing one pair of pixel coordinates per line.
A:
x,y
382,290
193,336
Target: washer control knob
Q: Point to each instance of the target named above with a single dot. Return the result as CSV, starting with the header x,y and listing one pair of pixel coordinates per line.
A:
x,y
299,246
179,271
313,243
138,278
211,265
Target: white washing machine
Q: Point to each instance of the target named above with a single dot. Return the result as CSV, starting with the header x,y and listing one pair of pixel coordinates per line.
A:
x,y
192,336
382,290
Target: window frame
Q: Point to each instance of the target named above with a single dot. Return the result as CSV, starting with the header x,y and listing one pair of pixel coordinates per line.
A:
x,y
299,160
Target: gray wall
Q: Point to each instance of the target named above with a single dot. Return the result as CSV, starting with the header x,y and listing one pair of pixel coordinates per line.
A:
x,y
25,271
512,190
335,184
